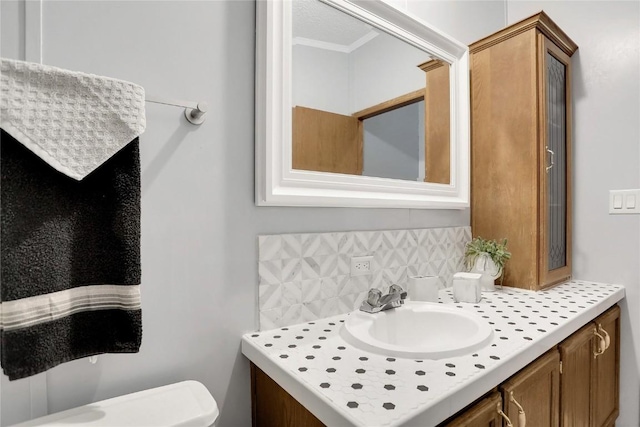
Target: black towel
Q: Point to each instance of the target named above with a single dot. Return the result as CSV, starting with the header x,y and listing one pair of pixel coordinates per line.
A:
x,y
75,242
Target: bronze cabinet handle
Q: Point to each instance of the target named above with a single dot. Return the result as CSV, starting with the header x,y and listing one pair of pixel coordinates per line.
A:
x,y
602,344
552,164
503,415
522,417
607,338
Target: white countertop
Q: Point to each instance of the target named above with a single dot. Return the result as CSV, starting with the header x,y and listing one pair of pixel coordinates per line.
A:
x,y
342,385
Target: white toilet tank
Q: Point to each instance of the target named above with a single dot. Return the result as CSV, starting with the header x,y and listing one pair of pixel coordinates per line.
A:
x,y
187,403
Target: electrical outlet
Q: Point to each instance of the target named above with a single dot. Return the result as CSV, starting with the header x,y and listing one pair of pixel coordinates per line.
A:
x,y
361,265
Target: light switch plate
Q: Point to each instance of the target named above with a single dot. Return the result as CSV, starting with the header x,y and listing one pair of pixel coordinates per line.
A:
x,y
624,202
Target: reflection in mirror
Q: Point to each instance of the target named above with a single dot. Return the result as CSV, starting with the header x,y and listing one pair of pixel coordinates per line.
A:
x,y
365,102
285,92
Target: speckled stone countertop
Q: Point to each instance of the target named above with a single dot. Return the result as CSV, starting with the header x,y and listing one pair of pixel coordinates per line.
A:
x,y
342,385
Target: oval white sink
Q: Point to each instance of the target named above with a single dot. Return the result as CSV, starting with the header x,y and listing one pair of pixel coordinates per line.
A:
x,y
418,330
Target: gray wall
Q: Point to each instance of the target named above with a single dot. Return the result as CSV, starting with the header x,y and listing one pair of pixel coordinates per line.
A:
x,y
382,69
199,219
392,143
320,79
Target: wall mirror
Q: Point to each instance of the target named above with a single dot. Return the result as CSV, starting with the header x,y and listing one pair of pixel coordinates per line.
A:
x,y
359,105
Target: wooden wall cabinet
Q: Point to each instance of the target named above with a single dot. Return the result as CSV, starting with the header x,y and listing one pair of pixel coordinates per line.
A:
x,y
326,142
521,148
590,380
437,122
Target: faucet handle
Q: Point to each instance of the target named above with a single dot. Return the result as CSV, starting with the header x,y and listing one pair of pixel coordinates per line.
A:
x,y
394,289
397,289
373,297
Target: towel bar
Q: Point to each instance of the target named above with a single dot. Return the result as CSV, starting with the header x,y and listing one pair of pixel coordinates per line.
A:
x,y
194,112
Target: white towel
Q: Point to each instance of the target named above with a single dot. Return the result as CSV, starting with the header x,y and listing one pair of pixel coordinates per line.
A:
x,y
71,120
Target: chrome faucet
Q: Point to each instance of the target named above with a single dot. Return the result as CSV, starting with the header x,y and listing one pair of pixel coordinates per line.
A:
x,y
377,302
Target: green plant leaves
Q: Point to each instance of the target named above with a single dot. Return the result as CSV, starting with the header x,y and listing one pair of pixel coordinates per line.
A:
x,y
497,251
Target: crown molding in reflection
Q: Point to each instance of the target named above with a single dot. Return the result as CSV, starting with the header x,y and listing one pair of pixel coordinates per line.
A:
x,y
335,47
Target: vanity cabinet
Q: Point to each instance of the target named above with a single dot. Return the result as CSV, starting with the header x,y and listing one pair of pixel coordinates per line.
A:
x,y
532,396
590,379
576,383
272,406
521,148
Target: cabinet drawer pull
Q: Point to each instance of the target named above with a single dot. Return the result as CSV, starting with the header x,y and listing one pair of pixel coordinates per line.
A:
x,y
503,415
552,154
522,417
602,344
607,338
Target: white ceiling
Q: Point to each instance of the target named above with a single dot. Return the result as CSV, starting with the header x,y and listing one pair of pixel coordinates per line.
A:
x,y
314,21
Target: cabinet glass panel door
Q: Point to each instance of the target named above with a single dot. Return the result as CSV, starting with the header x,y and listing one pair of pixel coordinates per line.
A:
x,y
557,162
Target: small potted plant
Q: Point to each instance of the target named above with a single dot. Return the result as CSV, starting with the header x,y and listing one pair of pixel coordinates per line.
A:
x,y
488,258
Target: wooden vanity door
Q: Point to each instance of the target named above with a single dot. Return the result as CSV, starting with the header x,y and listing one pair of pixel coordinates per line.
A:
x,y
537,390
272,406
555,167
576,353
482,414
606,374
590,383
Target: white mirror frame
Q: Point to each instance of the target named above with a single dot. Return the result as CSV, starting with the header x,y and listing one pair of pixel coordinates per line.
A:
x,y
278,184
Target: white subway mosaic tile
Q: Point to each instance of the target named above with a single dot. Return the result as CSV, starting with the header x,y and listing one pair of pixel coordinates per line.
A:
x,y
305,277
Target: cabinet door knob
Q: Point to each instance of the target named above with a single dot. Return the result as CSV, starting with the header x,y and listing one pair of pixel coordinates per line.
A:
x,y
607,338
602,344
522,417
551,158
503,415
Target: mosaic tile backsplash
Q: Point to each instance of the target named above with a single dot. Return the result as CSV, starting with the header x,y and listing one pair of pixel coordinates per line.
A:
x,y
304,277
